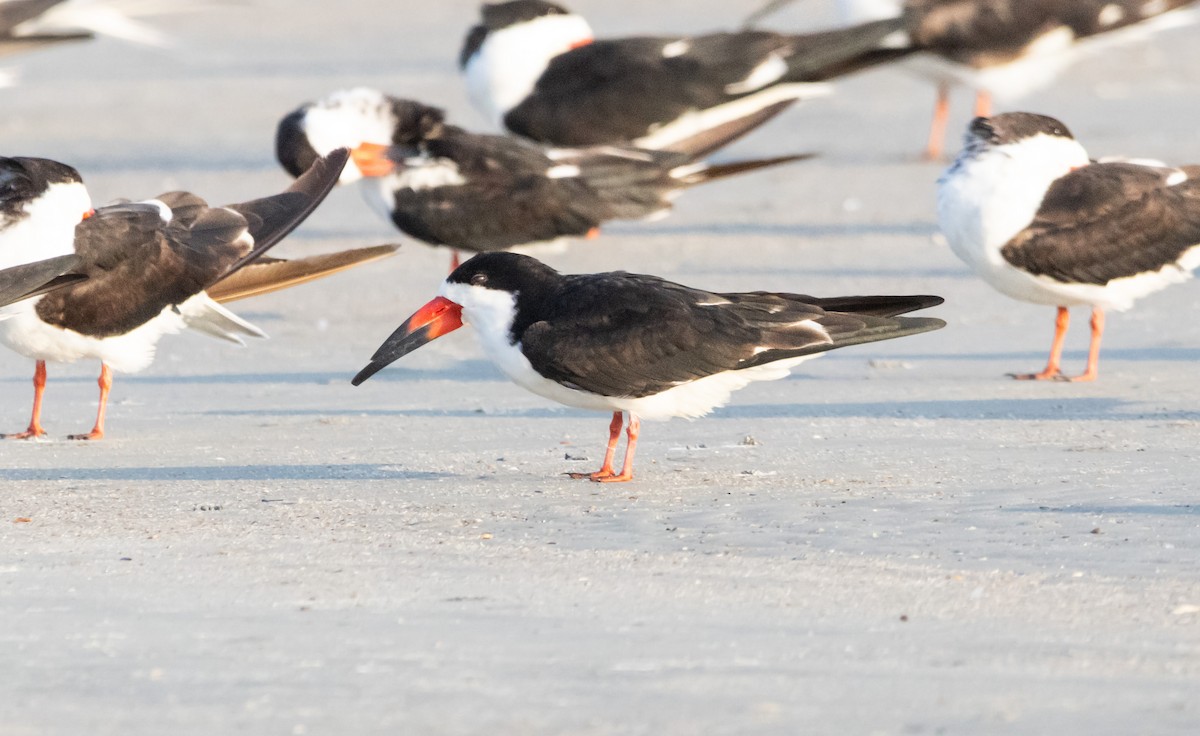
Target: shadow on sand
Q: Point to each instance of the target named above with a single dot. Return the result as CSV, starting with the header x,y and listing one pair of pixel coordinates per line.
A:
x,y
324,472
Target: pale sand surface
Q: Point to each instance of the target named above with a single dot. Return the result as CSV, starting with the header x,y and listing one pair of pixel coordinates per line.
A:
x,y
915,545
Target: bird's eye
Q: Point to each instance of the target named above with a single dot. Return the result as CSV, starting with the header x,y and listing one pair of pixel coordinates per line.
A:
x,y
479,279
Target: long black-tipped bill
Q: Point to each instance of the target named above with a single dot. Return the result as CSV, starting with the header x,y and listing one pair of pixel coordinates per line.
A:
x,y
430,322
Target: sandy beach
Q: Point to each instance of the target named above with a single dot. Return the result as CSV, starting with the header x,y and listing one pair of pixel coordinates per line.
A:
x,y
895,540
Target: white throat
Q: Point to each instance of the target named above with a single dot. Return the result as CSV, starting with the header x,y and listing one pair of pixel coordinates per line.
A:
x,y
986,197
46,227
506,67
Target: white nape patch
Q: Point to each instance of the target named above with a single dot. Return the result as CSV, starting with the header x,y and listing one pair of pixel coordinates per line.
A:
x,y
491,313
769,71
426,173
1111,15
562,171
689,170
676,48
164,212
988,196
506,67
853,12
697,121
45,228
347,119
1153,7
416,174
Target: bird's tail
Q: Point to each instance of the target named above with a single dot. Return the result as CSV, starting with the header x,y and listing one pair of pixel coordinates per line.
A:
x,y
702,172
202,314
828,54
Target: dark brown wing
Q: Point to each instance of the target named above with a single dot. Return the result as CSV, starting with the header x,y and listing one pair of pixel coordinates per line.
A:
x,y
629,335
504,198
614,91
984,32
137,265
1109,221
270,219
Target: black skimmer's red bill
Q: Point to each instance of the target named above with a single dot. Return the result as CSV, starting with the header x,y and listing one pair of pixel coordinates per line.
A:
x,y
1007,48
639,345
1025,208
33,279
534,68
446,186
147,265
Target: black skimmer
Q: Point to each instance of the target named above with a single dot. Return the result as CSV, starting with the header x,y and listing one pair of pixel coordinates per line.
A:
x,y
33,279
639,345
1008,48
1025,208
32,24
146,265
446,186
534,68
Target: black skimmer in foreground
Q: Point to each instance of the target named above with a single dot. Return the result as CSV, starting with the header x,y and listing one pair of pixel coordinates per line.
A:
x,y
639,345
146,265
32,24
534,68
1025,208
446,186
1008,48
34,279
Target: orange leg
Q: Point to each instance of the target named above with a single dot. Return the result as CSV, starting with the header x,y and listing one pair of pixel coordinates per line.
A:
x,y
35,423
1053,370
606,470
1093,364
105,384
983,104
937,129
635,426
454,261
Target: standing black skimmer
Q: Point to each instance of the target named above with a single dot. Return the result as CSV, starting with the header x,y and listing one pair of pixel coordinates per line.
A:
x,y
33,279
147,265
1038,221
447,186
639,345
1008,48
534,68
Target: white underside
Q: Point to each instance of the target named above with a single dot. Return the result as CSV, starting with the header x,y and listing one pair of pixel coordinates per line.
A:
x,y
688,400
491,312
26,334
697,121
